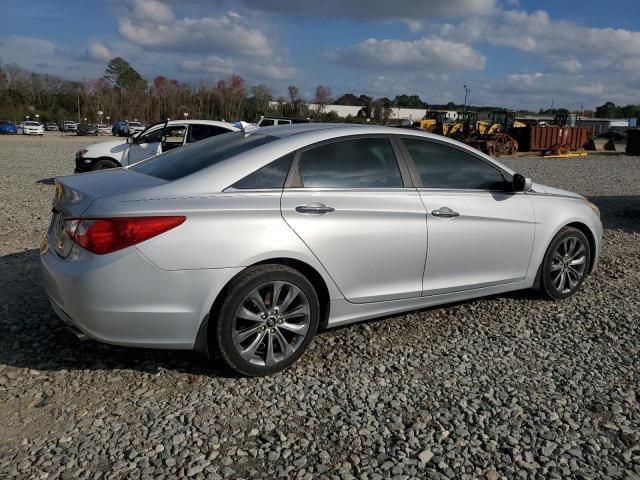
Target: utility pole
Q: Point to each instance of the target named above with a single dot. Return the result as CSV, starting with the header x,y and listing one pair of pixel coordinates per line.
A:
x,y
466,92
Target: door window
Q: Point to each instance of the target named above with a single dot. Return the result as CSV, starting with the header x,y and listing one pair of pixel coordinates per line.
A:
x,y
441,166
173,137
152,136
270,176
358,163
200,132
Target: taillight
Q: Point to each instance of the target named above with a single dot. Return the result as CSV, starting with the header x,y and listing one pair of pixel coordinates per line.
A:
x,y
106,235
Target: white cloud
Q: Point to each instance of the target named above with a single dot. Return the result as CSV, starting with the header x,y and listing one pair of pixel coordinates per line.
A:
x,y
227,34
569,66
216,65
29,45
426,53
376,9
152,11
98,51
413,25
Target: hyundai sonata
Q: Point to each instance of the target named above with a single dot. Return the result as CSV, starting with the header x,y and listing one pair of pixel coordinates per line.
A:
x,y
246,243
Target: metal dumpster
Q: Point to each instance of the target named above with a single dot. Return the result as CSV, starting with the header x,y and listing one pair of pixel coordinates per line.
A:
x,y
544,137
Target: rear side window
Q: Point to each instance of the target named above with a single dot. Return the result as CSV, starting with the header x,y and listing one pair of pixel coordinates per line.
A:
x,y
181,162
200,132
440,166
272,175
359,163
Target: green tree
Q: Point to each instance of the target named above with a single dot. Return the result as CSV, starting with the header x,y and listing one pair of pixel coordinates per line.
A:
x,y
121,75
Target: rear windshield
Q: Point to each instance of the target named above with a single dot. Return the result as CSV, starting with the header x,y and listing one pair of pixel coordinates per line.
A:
x,y
184,161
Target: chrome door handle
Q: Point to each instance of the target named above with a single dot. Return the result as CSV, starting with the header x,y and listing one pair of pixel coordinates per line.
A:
x,y
444,212
314,208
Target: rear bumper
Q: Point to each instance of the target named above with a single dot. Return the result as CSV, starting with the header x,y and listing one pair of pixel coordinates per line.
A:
x,y
123,299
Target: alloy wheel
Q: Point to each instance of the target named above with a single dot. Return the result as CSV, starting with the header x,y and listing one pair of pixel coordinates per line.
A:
x,y
568,264
271,323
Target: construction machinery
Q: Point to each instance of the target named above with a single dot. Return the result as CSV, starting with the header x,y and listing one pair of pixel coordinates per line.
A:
x,y
490,135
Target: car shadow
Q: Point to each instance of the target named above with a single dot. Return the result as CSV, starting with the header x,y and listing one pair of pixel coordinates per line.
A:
x,y
33,337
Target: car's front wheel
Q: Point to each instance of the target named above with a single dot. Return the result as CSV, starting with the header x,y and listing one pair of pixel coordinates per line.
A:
x,y
104,164
566,264
267,320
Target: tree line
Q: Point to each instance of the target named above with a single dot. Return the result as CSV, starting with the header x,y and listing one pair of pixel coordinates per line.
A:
x,y
122,93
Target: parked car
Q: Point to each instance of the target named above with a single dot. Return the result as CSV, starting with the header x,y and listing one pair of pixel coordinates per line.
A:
x,y
8,127
134,127
247,242
87,129
156,139
52,127
104,129
271,121
614,135
32,128
119,128
69,126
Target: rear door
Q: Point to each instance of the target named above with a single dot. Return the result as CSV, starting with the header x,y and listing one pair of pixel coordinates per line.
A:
x,y
480,233
352,202
201,131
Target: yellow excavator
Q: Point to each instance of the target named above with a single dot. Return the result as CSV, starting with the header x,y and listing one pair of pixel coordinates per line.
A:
x,y
499,121
438,122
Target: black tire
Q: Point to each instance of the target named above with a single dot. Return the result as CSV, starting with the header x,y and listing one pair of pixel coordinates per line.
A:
x,y
104,164
547,274
237,292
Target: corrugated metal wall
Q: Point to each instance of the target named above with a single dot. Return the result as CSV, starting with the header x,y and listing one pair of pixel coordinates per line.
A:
x,y
545,137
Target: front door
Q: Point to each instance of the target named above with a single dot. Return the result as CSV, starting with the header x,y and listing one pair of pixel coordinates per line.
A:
x,y
480,233
145,145
350,204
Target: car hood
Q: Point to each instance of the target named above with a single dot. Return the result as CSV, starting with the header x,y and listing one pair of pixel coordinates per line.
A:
x,y
115,149
555,191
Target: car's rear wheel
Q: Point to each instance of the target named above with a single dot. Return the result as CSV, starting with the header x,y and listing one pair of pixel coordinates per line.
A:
x,y
104,164
566,264
267,320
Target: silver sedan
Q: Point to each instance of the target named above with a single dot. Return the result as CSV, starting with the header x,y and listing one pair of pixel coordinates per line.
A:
x,y
243,245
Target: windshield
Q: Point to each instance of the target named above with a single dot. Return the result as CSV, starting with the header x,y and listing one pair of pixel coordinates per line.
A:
x,y
5,122
32,124
135,124
184,161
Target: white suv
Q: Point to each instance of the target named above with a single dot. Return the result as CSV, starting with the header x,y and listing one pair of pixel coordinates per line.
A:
x,y
156,139
134,127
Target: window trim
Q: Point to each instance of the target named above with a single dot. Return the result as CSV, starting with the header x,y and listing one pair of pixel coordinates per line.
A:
x,y
294,181
416,175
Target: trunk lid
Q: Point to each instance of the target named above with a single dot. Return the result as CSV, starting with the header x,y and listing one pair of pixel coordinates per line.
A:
x,y
75,193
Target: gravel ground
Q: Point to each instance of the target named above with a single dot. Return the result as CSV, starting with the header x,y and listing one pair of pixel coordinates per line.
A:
x,y
507,387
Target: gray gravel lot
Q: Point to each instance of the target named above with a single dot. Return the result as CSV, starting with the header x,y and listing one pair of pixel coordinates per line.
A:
x,y
511,386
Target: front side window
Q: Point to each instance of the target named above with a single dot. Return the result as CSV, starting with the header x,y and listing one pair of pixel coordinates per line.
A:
x,y
358,163
152,136
181,162
270,176
441,166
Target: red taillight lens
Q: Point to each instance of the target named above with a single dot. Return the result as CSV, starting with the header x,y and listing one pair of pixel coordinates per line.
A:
x,y
106,235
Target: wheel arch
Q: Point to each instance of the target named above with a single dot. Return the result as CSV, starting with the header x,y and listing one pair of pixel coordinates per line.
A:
x,y
203,338
111,159
590,238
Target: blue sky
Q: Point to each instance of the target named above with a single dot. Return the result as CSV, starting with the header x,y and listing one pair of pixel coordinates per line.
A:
x,y
516,53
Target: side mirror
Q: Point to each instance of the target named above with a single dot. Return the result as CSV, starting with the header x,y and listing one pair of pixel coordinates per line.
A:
x,y
521,183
